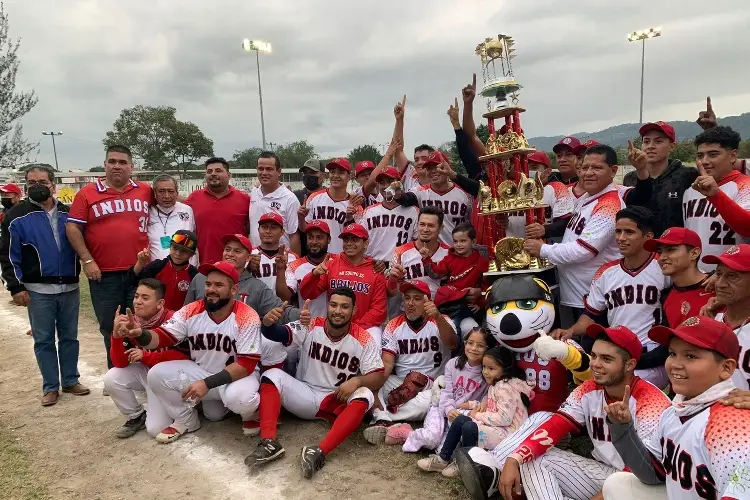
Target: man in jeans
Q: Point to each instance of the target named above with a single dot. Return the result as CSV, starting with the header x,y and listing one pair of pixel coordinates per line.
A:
x,y
107,227
41,271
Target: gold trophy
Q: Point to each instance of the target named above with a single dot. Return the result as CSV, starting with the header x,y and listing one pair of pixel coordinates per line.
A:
x,y
510,256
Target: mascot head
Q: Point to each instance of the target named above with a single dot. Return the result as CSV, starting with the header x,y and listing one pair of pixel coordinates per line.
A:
x,y
518,306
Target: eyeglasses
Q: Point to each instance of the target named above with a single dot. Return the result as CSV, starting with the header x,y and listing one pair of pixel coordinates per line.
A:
x,y
41,183
184,240
478,345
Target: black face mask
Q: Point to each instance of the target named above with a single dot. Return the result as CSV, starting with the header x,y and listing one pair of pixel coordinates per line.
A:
x,y
311,182
39,193
7,203
215,306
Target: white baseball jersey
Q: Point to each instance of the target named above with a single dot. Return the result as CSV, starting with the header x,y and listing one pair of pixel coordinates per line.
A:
x,y
321,206
370,200
456,204
410,179
212,344
326,363
557,196
301,268
409,257
282,201
704,456
389,228
162,224
585,407
628,297
422,351
702,217
268,269
741,376
588,243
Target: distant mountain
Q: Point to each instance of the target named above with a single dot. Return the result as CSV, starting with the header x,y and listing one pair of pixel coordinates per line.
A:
x,y
619,134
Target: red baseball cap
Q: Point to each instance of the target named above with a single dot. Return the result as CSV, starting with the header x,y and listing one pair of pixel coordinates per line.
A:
x,y
364,166
674,236
621,336
736,257
318,224
239,238
583,147
416,285
11,188
390,172
539,157
339,162
449,293
222,267
662,127
357,230
567,142
702,332
436,158
272,217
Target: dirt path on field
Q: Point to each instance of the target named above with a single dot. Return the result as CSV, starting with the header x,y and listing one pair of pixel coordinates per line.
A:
x,y
73,450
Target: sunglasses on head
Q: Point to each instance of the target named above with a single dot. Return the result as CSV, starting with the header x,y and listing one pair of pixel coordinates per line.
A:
x,y
184,240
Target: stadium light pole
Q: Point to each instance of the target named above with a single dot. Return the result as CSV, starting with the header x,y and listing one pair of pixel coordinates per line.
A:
x,y
54,147
643,35
258,46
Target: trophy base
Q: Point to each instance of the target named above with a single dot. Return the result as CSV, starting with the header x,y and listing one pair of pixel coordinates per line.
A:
x,y
504,155
500,88
503,112
511,210
499,272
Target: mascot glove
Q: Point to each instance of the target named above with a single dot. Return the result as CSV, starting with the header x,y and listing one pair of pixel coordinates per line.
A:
x,y
438,386
549,348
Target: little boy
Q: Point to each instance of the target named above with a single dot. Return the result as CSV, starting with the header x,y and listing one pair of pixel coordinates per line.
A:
x,y
700,449
175,271
460,273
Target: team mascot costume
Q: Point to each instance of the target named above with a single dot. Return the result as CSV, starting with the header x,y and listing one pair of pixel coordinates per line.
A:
x,y
520,314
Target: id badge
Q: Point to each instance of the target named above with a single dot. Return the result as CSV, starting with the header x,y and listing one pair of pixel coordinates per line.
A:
x,y
165,241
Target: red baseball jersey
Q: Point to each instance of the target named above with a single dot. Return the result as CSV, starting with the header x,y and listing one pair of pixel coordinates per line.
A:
x,y
460,271
115,223
550,377
681,303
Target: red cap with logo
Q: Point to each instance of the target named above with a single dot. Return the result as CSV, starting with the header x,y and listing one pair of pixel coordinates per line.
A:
x,y
567,142
449,293
274,217
736,257
339,162
356,230
391,173
11,188
242,240
539,157
662,127
703,332
619,335
318,224
436,158
222,267
580,150
416,285
674,236
364,166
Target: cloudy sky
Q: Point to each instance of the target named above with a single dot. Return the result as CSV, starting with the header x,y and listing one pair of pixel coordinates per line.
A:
x,y
338,67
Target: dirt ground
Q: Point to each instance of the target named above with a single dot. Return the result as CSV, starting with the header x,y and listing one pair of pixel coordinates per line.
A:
x,y
69,450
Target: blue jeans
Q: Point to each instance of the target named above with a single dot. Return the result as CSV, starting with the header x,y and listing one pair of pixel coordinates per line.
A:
x,y
113,291
47,313
462,430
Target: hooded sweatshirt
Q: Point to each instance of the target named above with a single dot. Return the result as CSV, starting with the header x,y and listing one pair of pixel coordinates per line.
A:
x,y
504,411
368,287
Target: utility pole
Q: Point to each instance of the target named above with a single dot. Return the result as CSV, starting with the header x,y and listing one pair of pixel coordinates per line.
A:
x,y
54,147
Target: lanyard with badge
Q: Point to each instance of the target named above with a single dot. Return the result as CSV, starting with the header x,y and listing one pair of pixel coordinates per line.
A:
x,y
166,239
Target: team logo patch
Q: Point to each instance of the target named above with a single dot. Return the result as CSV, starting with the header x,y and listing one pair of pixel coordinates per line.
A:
x,y
183,285
275,205
567,140
184,216
672,195
685,308
694,321
733,250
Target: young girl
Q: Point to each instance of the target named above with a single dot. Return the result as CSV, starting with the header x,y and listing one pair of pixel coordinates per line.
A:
x,y
462,382
500,413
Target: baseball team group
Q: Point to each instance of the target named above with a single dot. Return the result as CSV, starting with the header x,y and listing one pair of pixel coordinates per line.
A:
x,y
371,307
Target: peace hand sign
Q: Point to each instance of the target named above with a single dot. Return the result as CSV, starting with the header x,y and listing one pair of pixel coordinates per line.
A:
x,y
619,411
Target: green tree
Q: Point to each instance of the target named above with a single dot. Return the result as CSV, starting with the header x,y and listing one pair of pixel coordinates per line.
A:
x,y
295,154
246,158
190,145
684,151
451,150
365,152
744,151
483,132
13,105
98,168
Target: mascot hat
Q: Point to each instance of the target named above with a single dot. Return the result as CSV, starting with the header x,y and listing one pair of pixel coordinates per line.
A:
x,y
518,287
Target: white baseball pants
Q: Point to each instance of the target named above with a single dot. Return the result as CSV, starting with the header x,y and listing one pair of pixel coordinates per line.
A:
x,y
625,486
167,407
413,410
562,475
121,384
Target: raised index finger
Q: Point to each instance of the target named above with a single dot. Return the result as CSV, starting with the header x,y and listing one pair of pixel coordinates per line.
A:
x,y
708,105
630,145
474,80
403,101
702,170
626,396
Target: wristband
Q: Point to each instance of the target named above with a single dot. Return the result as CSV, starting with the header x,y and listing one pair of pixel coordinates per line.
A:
x,y
218,379
144,338
87,262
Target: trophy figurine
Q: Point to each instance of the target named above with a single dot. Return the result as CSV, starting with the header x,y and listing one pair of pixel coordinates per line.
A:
x,y
485,197
498,85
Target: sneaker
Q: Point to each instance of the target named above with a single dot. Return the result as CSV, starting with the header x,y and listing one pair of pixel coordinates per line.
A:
x,y
433,463
375,434
268,450
480,480
397,434
77,390
311,461
250,427
173,433
132,426
451,470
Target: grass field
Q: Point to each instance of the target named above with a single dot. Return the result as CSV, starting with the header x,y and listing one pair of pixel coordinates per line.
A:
x,y
17,481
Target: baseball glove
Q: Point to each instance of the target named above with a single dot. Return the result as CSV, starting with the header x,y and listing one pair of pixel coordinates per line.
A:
x,y
413,384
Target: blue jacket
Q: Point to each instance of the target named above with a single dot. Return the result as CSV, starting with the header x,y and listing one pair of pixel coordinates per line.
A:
x,y
28,251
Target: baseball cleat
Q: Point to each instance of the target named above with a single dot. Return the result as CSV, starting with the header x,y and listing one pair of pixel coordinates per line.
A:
x,y
480,480
132,426
172,433
250,427
311,461
375,434
268,450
